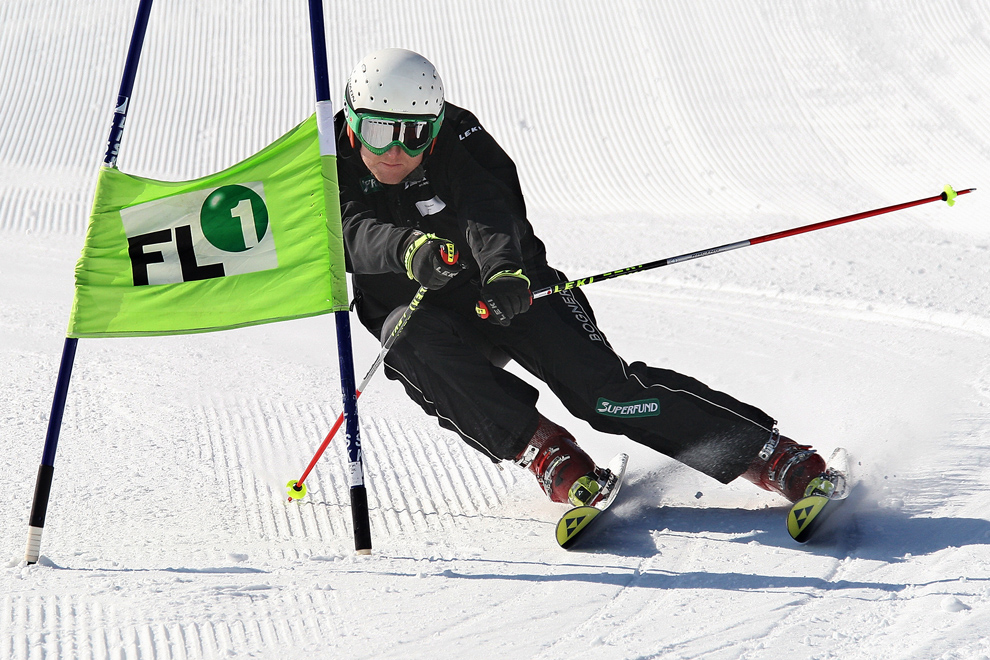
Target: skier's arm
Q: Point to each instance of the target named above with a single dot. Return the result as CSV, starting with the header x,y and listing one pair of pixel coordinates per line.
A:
x,y
372,245
491,214
493,219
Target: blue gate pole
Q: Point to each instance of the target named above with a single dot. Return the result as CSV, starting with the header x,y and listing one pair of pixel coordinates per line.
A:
x,y
359,494
43,485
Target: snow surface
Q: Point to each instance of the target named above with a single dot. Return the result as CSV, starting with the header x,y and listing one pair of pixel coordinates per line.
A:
x,y
641,131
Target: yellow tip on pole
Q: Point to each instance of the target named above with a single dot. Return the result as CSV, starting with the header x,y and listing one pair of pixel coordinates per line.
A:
x,y
949,195
296,492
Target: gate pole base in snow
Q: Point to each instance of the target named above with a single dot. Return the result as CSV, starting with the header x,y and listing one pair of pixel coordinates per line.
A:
x,y
355,460
43,486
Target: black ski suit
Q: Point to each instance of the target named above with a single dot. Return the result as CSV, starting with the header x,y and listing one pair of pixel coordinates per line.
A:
x,y
450,361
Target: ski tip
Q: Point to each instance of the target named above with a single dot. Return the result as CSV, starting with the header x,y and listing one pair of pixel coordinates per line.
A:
x,y
804,517
573,522
617,466
618,463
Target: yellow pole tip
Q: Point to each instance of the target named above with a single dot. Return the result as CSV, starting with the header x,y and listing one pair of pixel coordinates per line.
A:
x,y
296,492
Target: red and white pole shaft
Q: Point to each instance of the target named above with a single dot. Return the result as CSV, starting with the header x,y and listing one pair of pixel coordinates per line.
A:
x,y
948,195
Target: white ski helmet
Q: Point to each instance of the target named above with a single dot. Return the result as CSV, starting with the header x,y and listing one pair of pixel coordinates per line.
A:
x,y
395,82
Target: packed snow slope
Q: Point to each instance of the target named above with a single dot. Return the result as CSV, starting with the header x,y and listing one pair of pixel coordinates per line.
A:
x,y
641,131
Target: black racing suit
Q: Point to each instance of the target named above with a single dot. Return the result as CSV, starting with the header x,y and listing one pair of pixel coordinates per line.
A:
x,y
449,360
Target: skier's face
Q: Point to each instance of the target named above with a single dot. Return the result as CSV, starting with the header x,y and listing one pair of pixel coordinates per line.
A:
x,y
392,166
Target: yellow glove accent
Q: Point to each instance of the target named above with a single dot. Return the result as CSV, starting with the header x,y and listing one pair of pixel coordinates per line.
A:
x,y
411,250
508,273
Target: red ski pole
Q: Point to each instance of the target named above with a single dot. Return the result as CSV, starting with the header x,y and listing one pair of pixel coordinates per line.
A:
x,y
296,488
948,195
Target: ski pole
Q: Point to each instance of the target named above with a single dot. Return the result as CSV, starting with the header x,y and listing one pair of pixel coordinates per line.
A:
x,y
296,488
948,195
449,254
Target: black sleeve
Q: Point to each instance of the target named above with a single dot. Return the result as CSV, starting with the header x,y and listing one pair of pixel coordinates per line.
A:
x,y
486,193
371,245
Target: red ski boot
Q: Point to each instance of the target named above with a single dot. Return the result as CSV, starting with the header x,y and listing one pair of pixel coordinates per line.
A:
x,y
785,467
564,471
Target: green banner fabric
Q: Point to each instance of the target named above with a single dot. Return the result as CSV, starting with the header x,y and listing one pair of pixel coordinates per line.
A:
x,y
256,243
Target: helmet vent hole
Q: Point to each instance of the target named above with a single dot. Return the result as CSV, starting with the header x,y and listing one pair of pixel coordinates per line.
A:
x,y
398,68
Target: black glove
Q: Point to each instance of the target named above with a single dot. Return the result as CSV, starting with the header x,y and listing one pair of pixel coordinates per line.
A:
x,y
504,295
430,260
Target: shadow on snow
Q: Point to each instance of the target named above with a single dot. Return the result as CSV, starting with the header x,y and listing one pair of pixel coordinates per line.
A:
x,y
854,530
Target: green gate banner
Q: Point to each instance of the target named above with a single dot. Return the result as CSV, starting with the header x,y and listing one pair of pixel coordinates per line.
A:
x,y
256,243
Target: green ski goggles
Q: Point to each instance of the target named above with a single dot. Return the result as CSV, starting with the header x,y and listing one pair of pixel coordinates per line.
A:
x,y
379,134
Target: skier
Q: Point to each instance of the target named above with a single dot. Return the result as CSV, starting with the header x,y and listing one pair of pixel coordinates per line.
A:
x,y
419,175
